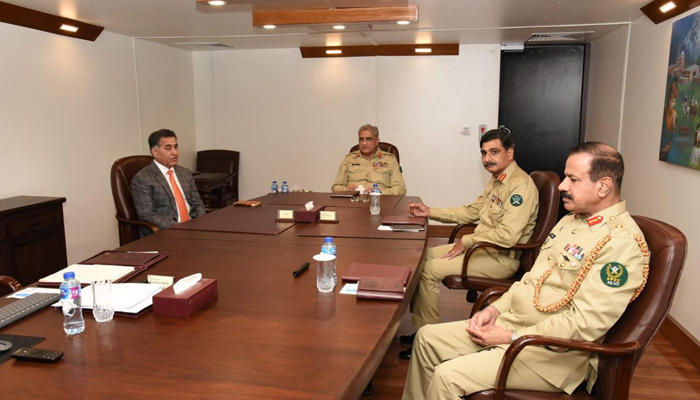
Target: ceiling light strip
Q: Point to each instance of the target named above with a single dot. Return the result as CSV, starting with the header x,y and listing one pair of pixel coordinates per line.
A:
x,y
444,49
28,18
335,16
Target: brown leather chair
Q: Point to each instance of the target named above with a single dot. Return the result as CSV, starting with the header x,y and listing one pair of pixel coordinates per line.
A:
x,y
626,341
547,183
123,170
225,161
383,146
10,283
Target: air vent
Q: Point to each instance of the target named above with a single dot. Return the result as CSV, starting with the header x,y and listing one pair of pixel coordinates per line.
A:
x,y
560,37
204,45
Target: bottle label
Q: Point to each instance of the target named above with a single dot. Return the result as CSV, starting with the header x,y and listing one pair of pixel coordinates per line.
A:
x,y
70,293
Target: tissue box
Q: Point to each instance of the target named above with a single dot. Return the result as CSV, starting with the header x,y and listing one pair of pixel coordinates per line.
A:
x,y
302,215
187,303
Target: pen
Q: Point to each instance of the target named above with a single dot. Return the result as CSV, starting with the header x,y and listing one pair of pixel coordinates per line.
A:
x,y
301,269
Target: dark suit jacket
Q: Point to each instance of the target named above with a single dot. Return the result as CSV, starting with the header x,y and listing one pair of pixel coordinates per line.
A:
x,y
154,201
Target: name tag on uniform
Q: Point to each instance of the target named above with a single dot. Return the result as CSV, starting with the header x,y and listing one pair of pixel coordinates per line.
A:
x,y
328,216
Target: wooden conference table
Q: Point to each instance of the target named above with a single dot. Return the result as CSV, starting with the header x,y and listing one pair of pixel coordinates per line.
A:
x,y
267,336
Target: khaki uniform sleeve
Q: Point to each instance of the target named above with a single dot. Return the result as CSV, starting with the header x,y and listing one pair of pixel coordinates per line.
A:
x,y
397,184
515,219
461,215
596,307
341,180
503,303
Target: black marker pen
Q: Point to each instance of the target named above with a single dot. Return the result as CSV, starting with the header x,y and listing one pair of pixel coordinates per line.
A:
x,y
301,269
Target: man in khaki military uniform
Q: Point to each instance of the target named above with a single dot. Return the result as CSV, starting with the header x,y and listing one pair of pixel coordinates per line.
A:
x,y
507,211
598,244
369,165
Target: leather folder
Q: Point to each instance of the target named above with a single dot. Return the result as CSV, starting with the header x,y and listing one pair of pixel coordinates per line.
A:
x,y
247,203
141,261
380,289
396,220
358,271
346,194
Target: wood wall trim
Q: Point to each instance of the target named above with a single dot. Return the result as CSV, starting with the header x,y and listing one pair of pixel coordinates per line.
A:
x,y
682,340
335,16
28,18
443,49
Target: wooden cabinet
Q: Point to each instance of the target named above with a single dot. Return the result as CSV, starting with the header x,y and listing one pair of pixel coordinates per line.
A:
x,y
32,237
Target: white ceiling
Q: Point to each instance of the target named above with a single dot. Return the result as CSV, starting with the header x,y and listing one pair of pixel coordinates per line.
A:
x,y
440,21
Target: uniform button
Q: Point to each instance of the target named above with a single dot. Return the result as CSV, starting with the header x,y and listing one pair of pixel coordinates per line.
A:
x,y
618,226
573,232
510,311
561,265
612,218
549,258
526,282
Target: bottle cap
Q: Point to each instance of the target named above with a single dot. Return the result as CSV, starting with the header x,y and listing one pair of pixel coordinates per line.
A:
x,y
375,185
328,239
69,275
274,181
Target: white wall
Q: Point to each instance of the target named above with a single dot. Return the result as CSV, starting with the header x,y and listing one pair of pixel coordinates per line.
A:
x,y
67,111
69,108
295,119
605,88
166,95
651,187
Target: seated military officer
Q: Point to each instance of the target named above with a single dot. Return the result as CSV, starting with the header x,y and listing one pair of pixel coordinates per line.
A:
x,y
507,211
590,268
369,165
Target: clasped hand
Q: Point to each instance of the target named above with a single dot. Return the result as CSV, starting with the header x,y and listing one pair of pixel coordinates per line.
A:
x,y
483,330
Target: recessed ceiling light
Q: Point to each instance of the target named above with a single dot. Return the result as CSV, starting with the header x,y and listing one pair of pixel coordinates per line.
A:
x,y
269,26
667,7
216,2
339,27
424,50
69,28
403,22
331,52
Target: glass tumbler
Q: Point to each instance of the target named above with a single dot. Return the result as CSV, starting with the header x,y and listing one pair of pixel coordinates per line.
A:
x,y
325,272
102,305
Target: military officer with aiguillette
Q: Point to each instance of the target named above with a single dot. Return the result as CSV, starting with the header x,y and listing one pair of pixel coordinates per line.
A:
x,y
369,165
594,263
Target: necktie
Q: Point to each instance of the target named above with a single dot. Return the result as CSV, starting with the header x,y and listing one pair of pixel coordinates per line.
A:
x,y
181,206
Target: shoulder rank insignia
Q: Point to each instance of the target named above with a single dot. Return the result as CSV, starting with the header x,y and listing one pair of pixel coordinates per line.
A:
x,y
614,274
595,220
516,200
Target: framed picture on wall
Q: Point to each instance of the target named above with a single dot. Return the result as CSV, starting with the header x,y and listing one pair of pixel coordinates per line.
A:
x,y
680,129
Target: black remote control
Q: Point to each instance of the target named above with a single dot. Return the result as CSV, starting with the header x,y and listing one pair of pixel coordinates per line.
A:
x,y
40,355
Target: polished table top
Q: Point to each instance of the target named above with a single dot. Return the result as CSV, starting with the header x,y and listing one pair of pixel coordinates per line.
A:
x,y
268,335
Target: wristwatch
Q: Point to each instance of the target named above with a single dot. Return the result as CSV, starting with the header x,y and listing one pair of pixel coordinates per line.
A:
x,y
514,336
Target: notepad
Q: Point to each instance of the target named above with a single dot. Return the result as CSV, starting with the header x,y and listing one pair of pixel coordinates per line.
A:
x,y
88,273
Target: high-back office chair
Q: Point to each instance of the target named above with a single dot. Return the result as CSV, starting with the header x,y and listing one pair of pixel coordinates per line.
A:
x,y
547,183
225,161
385,147
123,170
9,285
626,342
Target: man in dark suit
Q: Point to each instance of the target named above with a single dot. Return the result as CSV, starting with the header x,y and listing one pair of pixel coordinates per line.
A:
x,y
164,193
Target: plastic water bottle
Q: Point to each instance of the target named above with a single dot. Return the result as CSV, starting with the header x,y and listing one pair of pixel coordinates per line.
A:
x,y
274,187
285,188
73,322
374,194
330,248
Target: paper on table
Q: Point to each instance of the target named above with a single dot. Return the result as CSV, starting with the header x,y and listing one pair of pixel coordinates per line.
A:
x,y
384,228
88,273
126,297
349,288
30,291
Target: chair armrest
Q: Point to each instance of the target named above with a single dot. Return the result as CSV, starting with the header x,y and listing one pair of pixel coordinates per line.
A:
x,y
457,228
153,227
624,351
10,282
485,295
